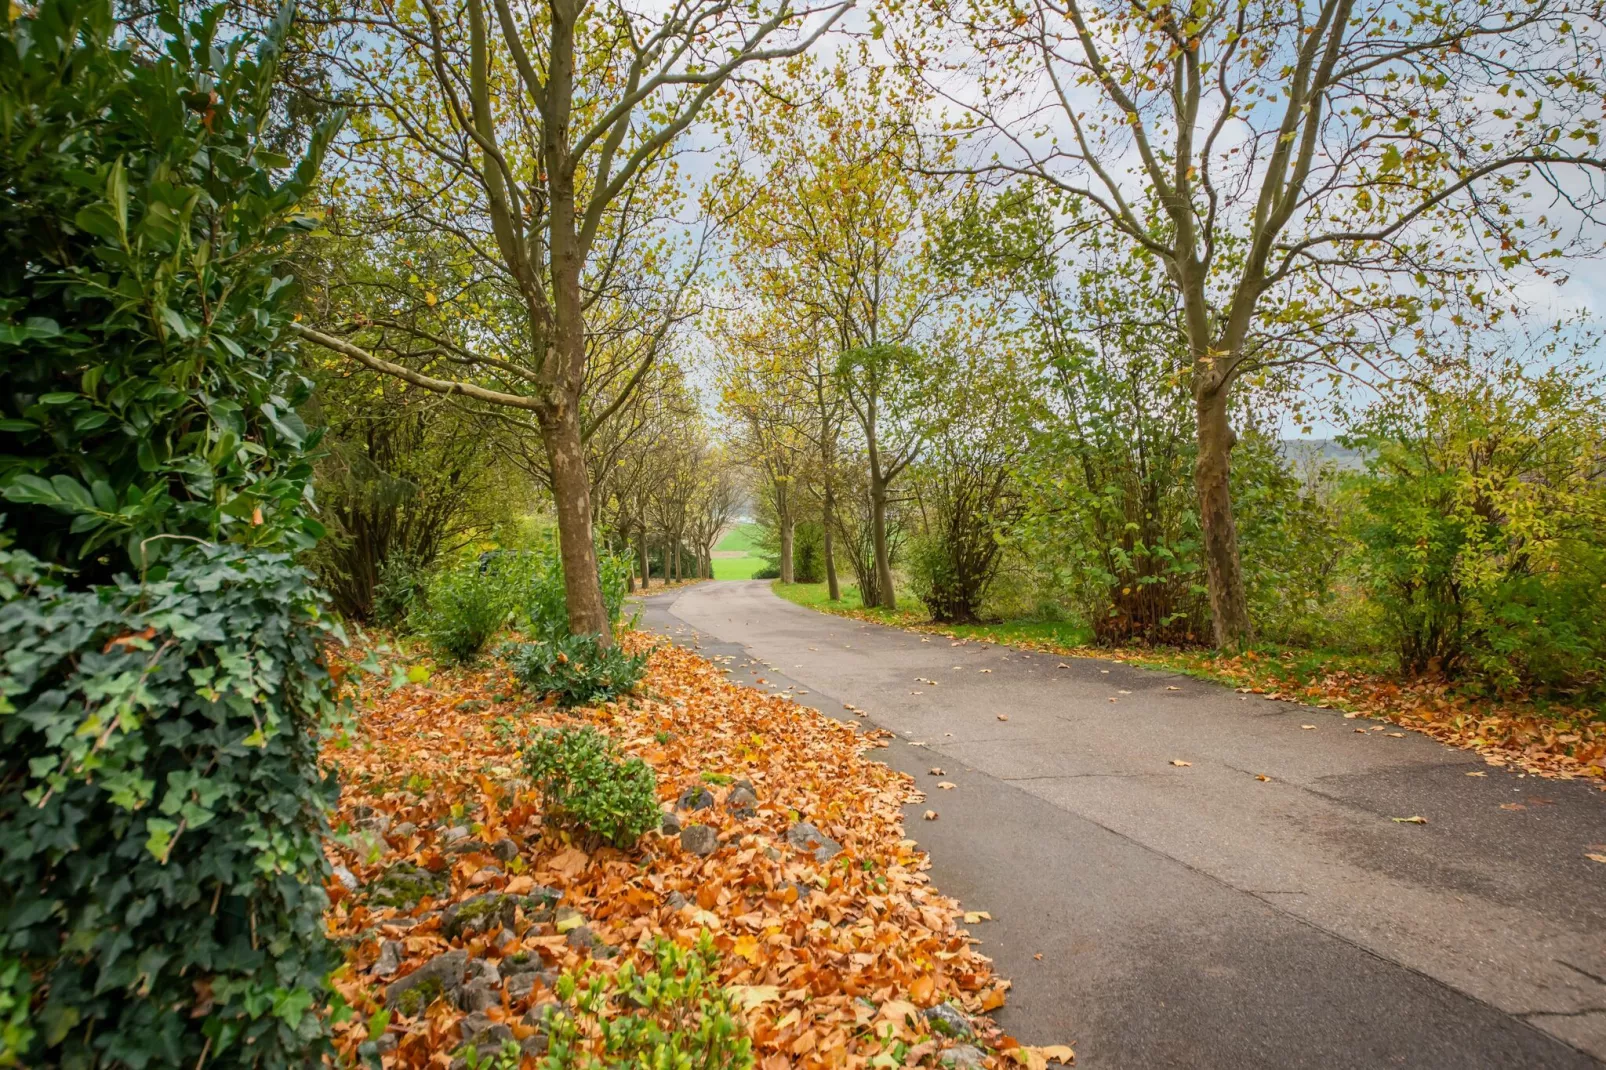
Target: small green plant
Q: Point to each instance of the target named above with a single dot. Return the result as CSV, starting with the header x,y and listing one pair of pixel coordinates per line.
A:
x,y
400,588
674,1014
575,669
505,1058
464,608
588,786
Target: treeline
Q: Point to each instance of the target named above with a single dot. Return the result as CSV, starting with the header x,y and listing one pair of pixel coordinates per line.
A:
x,y
976,396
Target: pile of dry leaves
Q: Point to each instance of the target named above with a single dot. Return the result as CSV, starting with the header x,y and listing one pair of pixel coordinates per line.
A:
x,y
458,907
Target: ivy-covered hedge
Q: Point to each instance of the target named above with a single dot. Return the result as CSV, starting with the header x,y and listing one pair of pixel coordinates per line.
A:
x,y
162,811
161,688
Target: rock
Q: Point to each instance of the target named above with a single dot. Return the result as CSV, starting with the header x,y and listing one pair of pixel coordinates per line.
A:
x,y
480,994
473,705
389,960
455,833
677,902
503,939
441,975
404,884
520,985
486,1036
482,969
536,1015
346,878
950,1021
582,938
962,1056
463,847
742,801
700,840
772,854
803,890
370,1050
695,797
404,830
505,849
534,1045
743,782
480,913
805,837
670,825
522,962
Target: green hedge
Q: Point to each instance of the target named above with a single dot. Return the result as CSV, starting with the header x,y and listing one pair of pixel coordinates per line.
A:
x,y
162,812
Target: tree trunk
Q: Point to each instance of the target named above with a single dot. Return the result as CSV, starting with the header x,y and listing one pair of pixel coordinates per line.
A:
x,y
641,552
1229,604
878,532
571,490
828,520
783,511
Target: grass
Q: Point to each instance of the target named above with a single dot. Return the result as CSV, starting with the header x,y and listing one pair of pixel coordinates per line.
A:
x,y
741,537
737,568
813,595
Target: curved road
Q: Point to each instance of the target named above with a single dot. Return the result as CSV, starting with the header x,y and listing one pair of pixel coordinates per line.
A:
x,y
1198,915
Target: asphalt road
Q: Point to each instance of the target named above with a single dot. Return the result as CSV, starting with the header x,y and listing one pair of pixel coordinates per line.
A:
x,y
1197,915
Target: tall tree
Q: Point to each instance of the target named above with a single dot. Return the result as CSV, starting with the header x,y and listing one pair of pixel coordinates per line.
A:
x,y
541,137
828,229
1316,179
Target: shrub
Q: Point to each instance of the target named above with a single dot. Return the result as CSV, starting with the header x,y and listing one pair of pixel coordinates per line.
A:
x,y
543,601
674,1014
1481,528
399,589
161,806
162,812
575,669
586,785
464,606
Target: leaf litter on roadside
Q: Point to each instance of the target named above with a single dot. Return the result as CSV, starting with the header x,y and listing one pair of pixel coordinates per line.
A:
x,y
435,817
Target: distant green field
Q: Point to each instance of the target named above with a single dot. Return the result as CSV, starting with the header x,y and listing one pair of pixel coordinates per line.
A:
x,y
741,537
736,568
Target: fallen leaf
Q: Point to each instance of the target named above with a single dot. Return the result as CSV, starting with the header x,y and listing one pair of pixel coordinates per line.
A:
x,y
1308,727
934,771
1179,761
930,815
976,917
1003,717
1415,819
1480,772
945,786
1262,776
1596,858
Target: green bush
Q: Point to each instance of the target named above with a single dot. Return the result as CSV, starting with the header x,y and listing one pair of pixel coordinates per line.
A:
x,y
398,590
1480,528
146,389
464,606
675,1014
161,805
162,812
587,786
543,601
575,669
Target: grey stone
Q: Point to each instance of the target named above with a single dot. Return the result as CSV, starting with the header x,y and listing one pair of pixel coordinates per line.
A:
x,y
741,801
520,985
377,1048
743,782
963,1056
455,833
444,971
404,830
480,994
670,825
677,902
772,854
699,840
483,969
950,1021
536,1015
346,878
463,847
503,939
805,837
534,1045
695,797
480,913
473,705
523,962
486,1036
583,939
505,849
389,960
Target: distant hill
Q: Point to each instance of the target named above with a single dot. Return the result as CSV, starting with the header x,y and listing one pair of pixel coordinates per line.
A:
x,y
1317,451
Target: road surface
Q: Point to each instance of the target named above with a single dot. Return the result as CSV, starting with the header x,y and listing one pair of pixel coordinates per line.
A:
x,y
1197,915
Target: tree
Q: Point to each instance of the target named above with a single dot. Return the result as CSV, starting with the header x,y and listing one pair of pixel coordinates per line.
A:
x,y
541,139
1317,182
827,233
